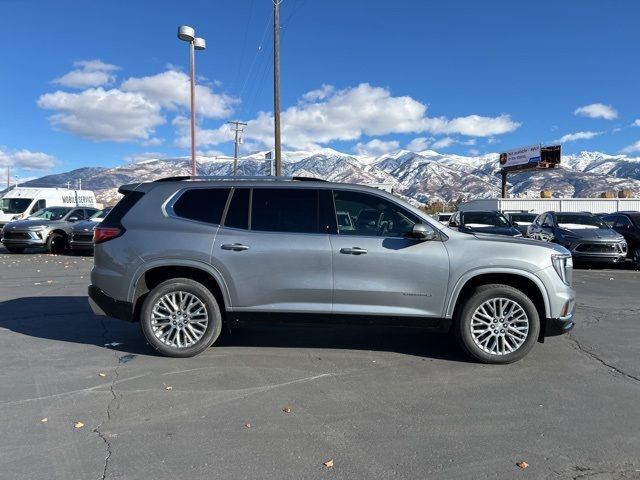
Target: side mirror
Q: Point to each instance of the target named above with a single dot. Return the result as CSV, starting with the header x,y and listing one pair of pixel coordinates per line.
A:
x,y
422,231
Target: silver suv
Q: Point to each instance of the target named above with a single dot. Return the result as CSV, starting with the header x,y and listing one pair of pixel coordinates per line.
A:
x,y
184,256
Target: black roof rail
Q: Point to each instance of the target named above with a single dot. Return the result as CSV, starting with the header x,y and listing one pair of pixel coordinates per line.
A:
x,y
238,177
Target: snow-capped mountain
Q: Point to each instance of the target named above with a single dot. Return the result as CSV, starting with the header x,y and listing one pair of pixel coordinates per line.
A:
x,y
421,176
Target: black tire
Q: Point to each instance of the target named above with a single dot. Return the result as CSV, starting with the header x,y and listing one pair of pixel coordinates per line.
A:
x,y
15,249
635,258
204,295
57,243
481,295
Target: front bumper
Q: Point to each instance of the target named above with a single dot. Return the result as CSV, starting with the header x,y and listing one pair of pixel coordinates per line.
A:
x,y
103,304
558,326
23,242
592,251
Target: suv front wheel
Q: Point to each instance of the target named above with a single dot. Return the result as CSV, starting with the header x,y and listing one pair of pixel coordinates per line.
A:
x,y
180,318
498,324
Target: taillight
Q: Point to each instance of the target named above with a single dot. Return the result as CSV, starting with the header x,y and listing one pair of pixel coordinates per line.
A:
x,y
102,234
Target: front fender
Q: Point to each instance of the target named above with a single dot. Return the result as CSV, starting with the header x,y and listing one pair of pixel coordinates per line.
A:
x,y
462,281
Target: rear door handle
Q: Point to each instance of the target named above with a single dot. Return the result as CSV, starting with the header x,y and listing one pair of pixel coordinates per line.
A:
x,y
353,250
236,247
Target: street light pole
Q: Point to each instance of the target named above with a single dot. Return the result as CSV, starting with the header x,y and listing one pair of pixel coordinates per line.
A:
x,y
188,34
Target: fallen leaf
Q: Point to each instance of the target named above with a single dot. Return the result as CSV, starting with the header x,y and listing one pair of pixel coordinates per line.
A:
x,y
168,387
248,425
522,465
44,420
328,463
102,374
286,410
79,425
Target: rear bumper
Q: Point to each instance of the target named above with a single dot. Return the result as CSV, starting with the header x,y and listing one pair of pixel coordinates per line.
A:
x,y
103,304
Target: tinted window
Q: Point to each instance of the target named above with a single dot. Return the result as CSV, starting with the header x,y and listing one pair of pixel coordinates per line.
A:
x,y
622,222
484,219
238,212
293,210
202,204
122,208
547,221
609,220
372,215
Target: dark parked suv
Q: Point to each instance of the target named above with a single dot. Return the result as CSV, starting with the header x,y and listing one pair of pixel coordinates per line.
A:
x,y
184,256
584,234
627,224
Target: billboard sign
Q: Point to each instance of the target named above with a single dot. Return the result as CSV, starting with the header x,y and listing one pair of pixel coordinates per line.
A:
x,y
520,158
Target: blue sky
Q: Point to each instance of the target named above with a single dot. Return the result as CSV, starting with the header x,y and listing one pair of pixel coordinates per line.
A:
x,y
98,84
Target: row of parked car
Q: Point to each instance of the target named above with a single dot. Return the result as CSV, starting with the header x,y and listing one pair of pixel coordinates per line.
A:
x,y
607,238
57,229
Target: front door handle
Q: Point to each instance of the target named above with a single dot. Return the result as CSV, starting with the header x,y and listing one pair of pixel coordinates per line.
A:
x,y
353,250
236,247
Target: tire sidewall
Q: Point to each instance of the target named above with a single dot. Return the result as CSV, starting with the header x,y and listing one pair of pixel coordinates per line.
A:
x,y
214,326
463,323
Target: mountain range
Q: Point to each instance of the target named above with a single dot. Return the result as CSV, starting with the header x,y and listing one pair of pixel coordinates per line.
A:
x,y
420,177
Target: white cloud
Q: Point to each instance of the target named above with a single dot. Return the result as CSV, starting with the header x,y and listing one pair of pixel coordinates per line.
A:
x,y
88,73
443,143
376,147
419,144
326,115
633,148
474,152
572,137
26,159
636,123
171,90
204,136
102,115
597,110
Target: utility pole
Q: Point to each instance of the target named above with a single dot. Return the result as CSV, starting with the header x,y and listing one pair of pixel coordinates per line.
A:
x,y
276,83
8,178
237,140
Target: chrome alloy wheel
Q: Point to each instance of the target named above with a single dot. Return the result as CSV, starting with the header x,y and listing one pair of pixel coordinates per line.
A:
x,y
179,319
499,326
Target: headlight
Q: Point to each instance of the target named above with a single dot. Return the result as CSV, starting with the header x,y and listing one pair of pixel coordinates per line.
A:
x,y
563,265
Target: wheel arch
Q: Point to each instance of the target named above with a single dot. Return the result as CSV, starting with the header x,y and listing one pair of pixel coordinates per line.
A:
x,y
147,278
526,282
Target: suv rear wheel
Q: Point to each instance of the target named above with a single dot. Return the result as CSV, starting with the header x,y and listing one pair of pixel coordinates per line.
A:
x,y
498,324
181,318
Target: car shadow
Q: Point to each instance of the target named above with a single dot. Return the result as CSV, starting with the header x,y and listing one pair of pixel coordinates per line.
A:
x,y
70,319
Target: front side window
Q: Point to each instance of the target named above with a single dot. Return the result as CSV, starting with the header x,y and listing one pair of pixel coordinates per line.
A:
x,y
370,215
623,222
202,204
610,220
288,210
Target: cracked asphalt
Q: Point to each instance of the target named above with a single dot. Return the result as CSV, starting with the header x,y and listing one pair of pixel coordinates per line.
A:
x,y
380,403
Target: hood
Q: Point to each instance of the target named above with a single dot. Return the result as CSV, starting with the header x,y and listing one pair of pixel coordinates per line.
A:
x,y
86,225
522,241
510,231
28,224
593,233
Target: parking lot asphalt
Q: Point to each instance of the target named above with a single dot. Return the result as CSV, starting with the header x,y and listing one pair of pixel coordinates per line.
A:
x,y
379,403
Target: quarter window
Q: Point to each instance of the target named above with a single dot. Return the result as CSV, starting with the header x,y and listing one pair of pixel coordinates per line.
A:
x,y
202,204
291,210
370,215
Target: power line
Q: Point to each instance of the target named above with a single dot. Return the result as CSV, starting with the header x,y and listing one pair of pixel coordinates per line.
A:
x,y
238,130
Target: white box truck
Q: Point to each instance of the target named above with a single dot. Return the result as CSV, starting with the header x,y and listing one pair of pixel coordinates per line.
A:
x,y
21,202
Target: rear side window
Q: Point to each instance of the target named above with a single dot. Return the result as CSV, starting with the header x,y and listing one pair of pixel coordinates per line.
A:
x,y
202,204
125,204
290,210
238,212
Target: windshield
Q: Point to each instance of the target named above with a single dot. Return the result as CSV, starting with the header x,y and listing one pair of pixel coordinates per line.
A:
x,y
579,222
14,205
484,219
101,213
55,213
